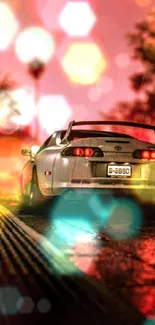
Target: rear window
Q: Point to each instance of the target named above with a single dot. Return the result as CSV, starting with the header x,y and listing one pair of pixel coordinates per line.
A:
x,y
75,135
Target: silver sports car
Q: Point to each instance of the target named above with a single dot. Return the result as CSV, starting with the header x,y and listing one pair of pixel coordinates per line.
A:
x,y
75,159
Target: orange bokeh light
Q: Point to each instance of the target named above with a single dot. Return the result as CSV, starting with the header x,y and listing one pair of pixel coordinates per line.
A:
x,y
11,164
143,3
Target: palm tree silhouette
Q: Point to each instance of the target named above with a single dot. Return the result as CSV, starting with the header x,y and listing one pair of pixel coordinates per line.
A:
x,y
7,86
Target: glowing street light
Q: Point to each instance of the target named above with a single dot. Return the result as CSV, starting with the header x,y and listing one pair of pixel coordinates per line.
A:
x,y
35,47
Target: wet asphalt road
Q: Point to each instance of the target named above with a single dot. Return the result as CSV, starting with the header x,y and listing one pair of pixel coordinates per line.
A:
x,y
127,265
38,282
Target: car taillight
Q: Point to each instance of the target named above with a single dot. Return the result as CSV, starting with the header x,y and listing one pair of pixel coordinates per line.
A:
x,y
78,152
153,155
82,152
88,152
144,154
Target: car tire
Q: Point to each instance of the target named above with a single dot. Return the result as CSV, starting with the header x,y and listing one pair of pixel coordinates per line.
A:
x,y
33,203
23,204
36,199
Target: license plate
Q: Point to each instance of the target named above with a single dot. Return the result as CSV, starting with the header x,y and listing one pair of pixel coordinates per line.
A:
x,y
119,170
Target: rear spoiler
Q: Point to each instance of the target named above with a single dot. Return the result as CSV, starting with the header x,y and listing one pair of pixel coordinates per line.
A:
x,y
121,123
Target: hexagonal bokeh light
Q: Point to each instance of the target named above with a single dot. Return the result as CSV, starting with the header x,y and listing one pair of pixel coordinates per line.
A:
x,y
72,14
16,108
25,105
54,112
8,26
35,42
84,63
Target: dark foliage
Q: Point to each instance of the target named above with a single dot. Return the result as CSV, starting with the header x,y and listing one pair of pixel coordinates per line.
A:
x,y
7,83
142,42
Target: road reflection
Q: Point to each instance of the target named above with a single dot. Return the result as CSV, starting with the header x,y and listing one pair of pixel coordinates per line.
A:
x,y
128,266
125,263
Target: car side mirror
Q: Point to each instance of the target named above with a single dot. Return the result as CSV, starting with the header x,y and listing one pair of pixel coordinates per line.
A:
x,y
26,152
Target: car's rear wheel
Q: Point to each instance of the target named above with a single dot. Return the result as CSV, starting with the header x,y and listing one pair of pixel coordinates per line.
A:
x,y
33,202
35,197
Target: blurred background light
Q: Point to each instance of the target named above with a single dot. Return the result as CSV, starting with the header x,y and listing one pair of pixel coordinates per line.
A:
x,y
9,297
120,217
122,60
34,42
84,63
49,12
25,105
11,165
16,109
8,109
77,18
149,321
105,85
73,230
143,3
8,26
25,305
44,305
5,175
94,94
9,127
4,111
72,222
124,220
102,208
144,196
35,149
54,112
15,4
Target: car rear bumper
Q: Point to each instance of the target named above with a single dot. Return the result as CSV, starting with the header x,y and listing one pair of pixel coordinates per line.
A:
x,y
114,182
103,184
144,197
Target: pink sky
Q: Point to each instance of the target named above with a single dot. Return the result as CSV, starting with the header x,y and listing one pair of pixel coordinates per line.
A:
x,y
114,19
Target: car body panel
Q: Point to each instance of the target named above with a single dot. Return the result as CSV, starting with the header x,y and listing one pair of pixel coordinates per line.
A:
x,y
26,177
45,163
89,172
